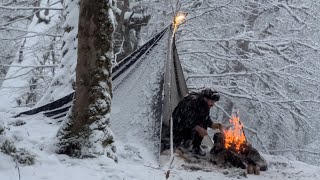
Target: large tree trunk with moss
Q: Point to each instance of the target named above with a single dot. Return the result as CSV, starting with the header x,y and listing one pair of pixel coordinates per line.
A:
x,y
86,131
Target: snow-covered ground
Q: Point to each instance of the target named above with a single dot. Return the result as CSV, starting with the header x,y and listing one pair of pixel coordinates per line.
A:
x,y
38,133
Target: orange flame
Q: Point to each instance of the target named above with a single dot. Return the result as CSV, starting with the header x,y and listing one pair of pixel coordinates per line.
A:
x,y
234,137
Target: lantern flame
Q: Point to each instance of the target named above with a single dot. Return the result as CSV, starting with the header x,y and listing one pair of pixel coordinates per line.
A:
x,y
234,137
179,19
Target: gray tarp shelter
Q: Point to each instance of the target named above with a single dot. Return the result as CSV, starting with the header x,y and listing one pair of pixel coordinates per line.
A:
x,y
173,89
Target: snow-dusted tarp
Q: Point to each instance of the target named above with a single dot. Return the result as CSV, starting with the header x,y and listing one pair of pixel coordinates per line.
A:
x,y
137,101
147,86
60,107
55,109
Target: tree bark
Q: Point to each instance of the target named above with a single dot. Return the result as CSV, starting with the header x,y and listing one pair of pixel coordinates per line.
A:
x,y
86,131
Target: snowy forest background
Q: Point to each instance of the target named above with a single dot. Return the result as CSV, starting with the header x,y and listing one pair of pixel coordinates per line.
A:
x,y
262,55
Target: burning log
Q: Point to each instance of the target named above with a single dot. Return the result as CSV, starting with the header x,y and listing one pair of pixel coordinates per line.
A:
x,y
244,156
232,146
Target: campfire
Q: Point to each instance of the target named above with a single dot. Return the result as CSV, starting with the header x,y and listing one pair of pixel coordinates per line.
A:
x,y
231,147
234,137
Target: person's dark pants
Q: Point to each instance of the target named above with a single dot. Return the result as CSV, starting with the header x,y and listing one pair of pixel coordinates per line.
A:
x,y
186,135
197,139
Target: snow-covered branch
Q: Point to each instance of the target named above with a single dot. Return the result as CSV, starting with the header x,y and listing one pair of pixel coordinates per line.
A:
x,y
219,75
208,10
271,40
259,138
286,7
257,56
295,150
17,76
24,36
25,66
29,8
31,32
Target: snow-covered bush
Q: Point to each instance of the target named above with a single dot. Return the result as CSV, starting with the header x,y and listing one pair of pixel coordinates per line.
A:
x,y
7,147
23,157
18,122
2,128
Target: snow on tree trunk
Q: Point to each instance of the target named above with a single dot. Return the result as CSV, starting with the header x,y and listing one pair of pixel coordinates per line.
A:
x,y
86,132
130,17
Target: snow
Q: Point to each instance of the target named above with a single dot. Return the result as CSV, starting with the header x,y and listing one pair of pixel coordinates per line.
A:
x,y
32,52
61,84
38,133
135,15
132,125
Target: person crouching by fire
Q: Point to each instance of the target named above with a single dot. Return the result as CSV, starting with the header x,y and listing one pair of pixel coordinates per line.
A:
x,y
191,118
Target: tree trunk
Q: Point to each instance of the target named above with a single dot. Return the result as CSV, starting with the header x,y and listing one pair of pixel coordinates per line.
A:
x,y
86,131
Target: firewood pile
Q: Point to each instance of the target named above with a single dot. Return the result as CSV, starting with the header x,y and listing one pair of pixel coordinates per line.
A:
x,y
245,156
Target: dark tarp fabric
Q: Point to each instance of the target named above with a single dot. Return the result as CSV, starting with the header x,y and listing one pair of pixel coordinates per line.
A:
x,y
175,88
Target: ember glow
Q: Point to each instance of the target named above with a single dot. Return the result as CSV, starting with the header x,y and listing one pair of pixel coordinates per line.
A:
x,y
234,137
180,18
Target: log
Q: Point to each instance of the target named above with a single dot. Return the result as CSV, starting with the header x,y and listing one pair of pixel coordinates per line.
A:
x,y
247,158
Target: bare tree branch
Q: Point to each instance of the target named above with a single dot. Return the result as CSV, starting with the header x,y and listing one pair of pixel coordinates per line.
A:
x,y
29,8
22,66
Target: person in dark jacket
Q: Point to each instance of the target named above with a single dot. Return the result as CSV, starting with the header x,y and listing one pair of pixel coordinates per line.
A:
x,y
191,118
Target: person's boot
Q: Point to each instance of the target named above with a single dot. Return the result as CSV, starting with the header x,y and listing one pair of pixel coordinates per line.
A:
x,y
198,151
250,169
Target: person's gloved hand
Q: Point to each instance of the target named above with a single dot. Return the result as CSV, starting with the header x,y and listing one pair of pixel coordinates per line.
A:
x,y
201,131
217,126
228,126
